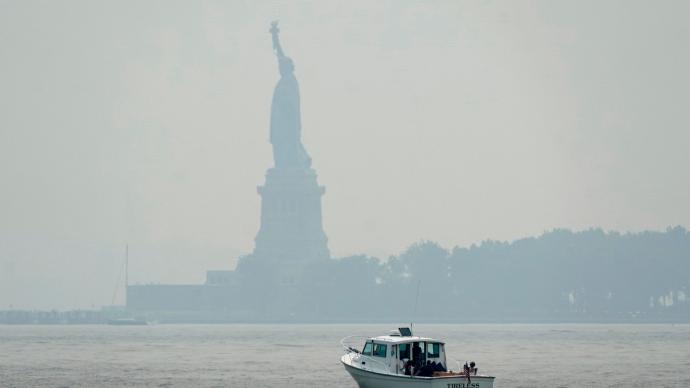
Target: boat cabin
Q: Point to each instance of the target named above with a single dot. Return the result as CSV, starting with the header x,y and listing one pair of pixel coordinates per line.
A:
x,y
400,352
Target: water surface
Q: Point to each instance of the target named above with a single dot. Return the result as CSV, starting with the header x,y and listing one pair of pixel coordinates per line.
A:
x,y
307,355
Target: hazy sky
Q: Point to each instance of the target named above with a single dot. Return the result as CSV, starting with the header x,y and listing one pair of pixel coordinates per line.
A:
x,y
453,121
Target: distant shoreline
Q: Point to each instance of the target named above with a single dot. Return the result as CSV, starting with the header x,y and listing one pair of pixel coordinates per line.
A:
x,y
102,317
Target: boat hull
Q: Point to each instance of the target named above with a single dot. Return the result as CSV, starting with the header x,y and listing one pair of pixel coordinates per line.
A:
x,y
371,379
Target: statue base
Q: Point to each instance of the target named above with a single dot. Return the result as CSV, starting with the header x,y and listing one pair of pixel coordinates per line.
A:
x,y
291,227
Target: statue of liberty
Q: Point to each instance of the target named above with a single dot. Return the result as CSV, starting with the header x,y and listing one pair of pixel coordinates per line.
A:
x,y
286,123
291,232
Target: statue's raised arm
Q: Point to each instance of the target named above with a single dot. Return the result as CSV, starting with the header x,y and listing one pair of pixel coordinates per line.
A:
x,y
276,42
286,121
285,64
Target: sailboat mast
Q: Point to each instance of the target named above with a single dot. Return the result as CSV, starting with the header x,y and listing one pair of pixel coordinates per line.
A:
x,y
126,271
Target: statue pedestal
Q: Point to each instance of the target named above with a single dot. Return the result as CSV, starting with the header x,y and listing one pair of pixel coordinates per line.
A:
x,y
291,228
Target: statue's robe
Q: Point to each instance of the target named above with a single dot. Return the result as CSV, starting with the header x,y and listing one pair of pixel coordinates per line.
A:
x,y
286,124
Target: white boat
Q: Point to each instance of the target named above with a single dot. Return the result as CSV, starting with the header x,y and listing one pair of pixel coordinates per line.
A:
x,y
402,360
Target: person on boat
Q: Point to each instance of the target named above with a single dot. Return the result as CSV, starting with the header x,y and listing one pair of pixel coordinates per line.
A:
x,y
417,356
428,369
473,368
425,371
437,367
408,368
466,370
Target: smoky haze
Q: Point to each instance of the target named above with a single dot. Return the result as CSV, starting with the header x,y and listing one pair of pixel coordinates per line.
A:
x,y
146,123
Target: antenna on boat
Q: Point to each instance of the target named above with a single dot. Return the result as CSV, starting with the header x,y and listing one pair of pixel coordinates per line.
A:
x,y
416,300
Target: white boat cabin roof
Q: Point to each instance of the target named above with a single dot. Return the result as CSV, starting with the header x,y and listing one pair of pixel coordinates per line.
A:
x,y
402,340
402,336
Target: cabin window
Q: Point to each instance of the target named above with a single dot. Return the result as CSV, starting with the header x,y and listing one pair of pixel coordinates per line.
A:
x,y
433,350
367,348
380,350
404,351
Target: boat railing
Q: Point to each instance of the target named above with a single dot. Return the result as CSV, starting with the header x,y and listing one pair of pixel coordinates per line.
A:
x,y
349,344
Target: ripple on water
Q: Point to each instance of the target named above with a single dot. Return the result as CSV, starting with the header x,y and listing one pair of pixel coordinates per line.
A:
x,y
205,356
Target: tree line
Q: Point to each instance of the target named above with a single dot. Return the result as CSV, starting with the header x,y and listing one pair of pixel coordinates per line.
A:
x,y
562,275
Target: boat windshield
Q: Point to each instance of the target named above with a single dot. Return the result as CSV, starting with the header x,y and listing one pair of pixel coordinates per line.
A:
x,y
380,350
375,349
368,347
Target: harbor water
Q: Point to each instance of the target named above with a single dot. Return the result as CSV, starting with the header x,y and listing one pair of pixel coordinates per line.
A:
x,y
304,355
